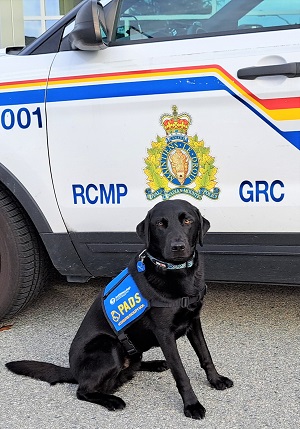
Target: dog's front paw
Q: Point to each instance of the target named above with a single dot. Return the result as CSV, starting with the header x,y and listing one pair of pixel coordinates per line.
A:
x,y
195,411
221,382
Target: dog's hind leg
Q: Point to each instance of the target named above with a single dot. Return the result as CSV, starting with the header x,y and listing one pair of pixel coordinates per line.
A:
x,y
154,366
103,368
111,402
98,384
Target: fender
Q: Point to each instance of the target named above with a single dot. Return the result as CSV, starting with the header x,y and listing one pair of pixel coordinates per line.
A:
x,y
25,199
59,247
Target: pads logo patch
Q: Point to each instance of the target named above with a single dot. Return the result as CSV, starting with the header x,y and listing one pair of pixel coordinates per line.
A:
x,y
123,302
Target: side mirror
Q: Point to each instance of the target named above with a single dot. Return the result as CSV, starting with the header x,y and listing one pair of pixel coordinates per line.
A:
x,y
89,24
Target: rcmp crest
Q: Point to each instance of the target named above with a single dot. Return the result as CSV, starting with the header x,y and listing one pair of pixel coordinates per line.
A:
x,y
178,163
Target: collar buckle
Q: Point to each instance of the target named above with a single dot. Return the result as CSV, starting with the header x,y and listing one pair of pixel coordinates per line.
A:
x,y
185,302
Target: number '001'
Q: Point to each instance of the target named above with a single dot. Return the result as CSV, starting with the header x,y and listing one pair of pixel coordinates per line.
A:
x,y
23,118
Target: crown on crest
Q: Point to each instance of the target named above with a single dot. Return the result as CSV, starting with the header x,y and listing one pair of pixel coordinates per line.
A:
x,y
175,123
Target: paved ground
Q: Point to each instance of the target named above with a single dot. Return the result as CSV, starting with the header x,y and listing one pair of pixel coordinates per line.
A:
x,y
254,337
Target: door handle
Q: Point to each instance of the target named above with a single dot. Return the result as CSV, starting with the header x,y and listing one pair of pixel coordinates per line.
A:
x,y
289,70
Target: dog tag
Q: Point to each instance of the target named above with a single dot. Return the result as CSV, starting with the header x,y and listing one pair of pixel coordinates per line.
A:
x,y
140,266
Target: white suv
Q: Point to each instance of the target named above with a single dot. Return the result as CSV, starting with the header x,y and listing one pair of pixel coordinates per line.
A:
x,y
124,103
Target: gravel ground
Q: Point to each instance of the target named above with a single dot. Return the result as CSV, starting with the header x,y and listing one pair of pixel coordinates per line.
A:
x,y
253,335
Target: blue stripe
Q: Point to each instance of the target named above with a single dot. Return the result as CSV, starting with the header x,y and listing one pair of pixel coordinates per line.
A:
x,y
32,96
292,136
155,87
132,89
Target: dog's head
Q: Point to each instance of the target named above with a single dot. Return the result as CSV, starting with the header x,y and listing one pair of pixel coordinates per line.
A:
x,y
172,229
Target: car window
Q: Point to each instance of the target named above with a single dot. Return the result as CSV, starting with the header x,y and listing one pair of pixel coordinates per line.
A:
x,y
273,13
161,19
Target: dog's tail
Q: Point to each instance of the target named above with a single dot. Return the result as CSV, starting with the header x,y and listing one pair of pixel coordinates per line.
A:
x,y
42,371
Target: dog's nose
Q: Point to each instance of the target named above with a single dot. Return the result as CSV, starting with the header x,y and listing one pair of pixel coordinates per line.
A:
x,y
178,246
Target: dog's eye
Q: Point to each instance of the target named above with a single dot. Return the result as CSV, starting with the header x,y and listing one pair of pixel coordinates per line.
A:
x,y
187,221
161,222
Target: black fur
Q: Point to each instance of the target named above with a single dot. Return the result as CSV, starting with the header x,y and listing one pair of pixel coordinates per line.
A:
x,y
42,371
98,361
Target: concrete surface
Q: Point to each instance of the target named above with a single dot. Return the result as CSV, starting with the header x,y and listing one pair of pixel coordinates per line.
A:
x,y
253,335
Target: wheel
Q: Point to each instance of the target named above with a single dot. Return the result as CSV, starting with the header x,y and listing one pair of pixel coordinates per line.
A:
x,y
23,260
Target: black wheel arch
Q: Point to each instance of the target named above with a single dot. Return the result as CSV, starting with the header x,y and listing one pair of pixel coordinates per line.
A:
x,y
59,246
10,181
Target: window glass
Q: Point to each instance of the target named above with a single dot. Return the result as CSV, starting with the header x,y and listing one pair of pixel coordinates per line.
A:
x,y
32,7
40,15
69,28
49,23
161,19
52,7
32,28
145,19
273,13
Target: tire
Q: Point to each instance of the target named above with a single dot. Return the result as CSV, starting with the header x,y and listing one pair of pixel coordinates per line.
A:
x,y
23,260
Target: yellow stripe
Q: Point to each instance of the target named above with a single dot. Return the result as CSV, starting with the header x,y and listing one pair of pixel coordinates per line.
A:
x,y
276,114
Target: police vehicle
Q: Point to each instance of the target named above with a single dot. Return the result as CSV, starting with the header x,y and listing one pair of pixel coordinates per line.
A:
x,y
124,103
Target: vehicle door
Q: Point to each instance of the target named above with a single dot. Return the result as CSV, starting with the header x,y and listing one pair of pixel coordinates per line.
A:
x,y
191,99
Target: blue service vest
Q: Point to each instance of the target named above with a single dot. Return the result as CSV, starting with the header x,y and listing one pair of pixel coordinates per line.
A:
x,y
123,302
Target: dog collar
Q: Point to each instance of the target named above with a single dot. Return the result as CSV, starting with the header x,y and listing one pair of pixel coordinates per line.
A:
x,y
167,265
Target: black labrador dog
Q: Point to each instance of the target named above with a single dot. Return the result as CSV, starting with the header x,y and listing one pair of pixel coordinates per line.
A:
x,y
170,278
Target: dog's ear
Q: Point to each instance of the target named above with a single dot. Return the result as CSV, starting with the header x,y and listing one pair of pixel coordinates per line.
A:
x,y
143,230
203,227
